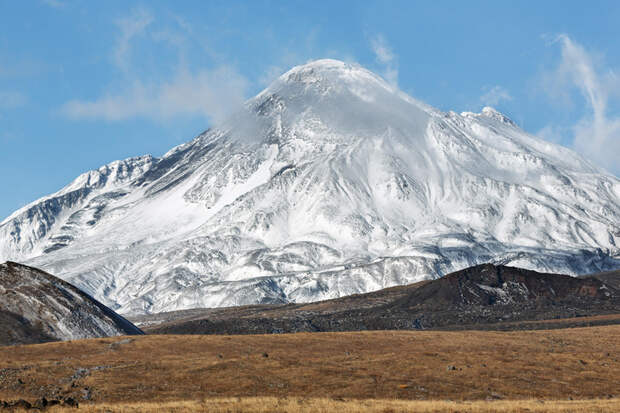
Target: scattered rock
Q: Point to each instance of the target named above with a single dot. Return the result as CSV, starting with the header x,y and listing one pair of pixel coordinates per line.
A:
x,y
70,401
54,402
41,404
21,403
86,393
79,373
117,344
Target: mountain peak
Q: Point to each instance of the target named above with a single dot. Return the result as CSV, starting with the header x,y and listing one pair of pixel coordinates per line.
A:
x,y
324,67
323,64
332,182
329,74
344,100
492,113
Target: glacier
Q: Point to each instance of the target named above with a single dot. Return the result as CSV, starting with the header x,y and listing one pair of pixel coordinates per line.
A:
x,y
329,182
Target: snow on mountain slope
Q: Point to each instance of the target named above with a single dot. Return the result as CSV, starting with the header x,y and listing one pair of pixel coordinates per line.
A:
x,y
38,307
330,182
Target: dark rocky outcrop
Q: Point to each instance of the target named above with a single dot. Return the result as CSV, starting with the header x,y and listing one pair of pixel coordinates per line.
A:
x,y
485,296
36,307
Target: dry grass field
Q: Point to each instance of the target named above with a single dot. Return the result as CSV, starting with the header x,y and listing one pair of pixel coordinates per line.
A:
x,y
301,405
382,371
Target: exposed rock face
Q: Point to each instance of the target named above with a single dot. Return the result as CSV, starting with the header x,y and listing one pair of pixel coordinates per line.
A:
x,y
484,296
611,278
37,307
487,285
329,183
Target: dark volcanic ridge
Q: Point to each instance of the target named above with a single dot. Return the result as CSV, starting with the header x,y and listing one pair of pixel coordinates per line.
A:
x,y
36,307
611,278
481,297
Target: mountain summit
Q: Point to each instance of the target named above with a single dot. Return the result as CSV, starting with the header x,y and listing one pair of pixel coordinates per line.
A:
x,y
330,182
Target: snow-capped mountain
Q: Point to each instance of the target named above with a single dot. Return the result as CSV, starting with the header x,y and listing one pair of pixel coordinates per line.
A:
x,y
330,182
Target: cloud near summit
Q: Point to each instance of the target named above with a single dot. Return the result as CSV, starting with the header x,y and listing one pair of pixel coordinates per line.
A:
x,y
597,134
386,57
211,93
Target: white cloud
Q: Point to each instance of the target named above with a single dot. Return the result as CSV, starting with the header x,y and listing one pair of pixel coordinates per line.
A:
x,y
495,96
551,133
386,57
11,100
597,134
211,94
270,74
382,51
130,27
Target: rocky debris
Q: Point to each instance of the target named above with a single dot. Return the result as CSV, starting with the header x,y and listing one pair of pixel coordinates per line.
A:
x,y
86,393
70,401
117,344
495,396
80,373
39,404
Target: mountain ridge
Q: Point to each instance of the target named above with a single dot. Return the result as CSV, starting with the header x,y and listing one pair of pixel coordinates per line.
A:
x,y
37,307
330,182
480,297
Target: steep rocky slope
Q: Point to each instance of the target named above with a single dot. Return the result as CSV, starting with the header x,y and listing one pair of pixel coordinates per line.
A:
x,y
329,183
37,307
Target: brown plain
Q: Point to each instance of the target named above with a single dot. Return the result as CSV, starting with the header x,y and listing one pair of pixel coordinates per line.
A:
x,y
359,371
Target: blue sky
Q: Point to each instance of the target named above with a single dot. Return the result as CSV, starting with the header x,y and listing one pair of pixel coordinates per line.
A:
x,y
84,83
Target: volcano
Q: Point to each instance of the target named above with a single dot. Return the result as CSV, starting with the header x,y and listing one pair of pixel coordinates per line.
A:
x,y
330,182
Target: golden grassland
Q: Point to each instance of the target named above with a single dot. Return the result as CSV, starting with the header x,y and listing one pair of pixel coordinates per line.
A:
x,y
381,371
282,405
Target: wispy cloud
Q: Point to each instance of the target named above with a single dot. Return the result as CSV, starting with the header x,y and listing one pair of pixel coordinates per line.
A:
x,y
597,134
386,57
212,93
270,74
12,99
130,27
553,133
494,96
